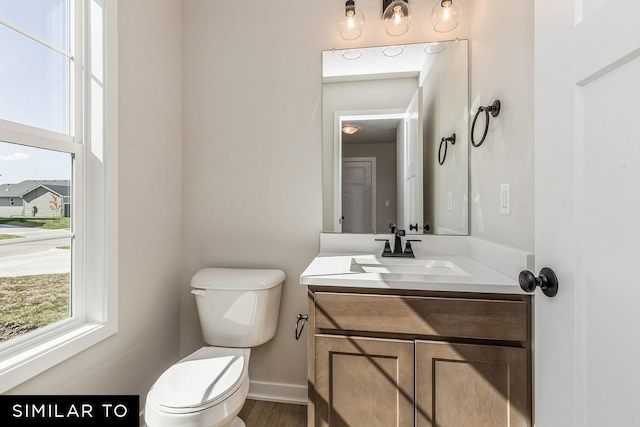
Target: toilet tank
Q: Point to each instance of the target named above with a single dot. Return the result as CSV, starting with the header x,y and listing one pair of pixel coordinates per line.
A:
x,y
237,307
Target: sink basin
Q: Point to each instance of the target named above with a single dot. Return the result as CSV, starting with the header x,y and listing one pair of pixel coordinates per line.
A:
x,y
406,266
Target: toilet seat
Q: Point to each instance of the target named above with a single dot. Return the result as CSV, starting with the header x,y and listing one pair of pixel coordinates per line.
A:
x,y
201,380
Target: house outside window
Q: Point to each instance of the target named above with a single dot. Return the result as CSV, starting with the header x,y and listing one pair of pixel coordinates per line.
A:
x,y
58,204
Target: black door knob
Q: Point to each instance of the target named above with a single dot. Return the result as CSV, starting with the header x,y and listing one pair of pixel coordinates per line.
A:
x,y
547,281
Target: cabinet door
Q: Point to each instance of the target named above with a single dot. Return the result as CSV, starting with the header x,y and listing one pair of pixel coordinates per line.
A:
x,y
465,385
364,382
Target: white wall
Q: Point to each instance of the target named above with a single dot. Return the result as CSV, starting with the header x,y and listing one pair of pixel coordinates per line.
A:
x,y
253,147
445,112
252,177
149,244
502,68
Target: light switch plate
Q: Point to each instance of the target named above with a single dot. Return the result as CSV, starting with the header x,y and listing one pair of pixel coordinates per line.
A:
x,y
505,199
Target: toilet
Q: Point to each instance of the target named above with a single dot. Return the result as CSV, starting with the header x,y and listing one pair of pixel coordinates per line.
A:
x,y
238,309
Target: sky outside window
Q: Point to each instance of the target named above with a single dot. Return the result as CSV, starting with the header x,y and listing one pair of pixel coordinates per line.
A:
x,y
19,163
34,78
34,85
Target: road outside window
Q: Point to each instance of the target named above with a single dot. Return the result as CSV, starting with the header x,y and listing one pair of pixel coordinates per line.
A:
x,y
35,239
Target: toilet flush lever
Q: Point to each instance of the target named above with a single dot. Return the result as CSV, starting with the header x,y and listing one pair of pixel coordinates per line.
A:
x,y
199,292
301,320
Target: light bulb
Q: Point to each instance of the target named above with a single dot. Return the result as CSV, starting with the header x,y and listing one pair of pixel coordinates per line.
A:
x,y
397,15
351,23
396,18
445,16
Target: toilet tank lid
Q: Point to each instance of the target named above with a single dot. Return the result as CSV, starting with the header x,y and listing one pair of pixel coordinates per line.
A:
x,y
237,278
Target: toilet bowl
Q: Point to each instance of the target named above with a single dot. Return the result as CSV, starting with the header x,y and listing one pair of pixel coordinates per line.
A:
x,y
206,388
238,309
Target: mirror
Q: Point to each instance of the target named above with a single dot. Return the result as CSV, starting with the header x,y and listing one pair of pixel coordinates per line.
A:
x,y
389,118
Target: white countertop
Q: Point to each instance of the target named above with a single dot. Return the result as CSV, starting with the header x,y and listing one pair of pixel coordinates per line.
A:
x,y
334,269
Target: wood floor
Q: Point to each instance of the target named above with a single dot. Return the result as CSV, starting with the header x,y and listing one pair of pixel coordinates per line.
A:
x,y
256,413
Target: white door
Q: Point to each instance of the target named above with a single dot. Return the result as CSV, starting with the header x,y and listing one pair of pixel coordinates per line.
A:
x,y
413,163
358,194
587,91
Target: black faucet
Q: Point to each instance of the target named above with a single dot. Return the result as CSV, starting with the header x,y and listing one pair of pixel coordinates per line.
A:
x,y
397,246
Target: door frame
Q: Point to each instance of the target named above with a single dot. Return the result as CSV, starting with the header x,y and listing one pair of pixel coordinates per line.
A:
x,y
338,118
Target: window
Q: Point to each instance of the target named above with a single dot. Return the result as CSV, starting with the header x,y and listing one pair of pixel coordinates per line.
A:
x,y
58,204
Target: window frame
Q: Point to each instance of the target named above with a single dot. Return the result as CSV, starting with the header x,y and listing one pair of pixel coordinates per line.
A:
x,y
94,126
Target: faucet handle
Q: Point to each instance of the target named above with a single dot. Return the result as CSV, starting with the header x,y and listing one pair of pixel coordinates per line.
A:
x,y
387,246
408,250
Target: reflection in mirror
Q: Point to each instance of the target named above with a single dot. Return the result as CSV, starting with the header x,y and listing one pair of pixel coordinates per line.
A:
x,y
386,111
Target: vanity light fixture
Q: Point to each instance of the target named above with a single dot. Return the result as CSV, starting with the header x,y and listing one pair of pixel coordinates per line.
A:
x,y
350,129
350,25
444,16
396,17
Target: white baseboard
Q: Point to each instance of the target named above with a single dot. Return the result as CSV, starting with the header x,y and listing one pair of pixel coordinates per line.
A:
x,y
278,392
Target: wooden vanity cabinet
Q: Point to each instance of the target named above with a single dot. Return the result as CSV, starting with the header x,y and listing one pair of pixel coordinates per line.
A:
x,y
364,381
471,385
381,358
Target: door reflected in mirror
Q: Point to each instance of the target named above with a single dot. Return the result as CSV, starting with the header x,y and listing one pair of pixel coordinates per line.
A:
x,y
386,111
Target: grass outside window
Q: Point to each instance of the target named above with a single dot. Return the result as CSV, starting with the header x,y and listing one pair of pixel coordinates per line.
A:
x,y
31,302
57,223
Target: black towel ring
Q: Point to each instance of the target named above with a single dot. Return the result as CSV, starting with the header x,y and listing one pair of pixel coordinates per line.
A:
x,y
444,141
494,109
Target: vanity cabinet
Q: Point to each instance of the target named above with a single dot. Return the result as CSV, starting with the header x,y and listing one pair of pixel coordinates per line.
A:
x,y
471,385
411,358
364,381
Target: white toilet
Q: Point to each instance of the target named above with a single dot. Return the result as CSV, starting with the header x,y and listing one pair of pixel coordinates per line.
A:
x,y
238,309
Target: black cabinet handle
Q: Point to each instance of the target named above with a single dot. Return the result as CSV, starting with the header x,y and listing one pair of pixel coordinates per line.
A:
x,y
548,281
413,227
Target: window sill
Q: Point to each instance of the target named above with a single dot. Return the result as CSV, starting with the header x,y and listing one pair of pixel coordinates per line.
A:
x,y
21,366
